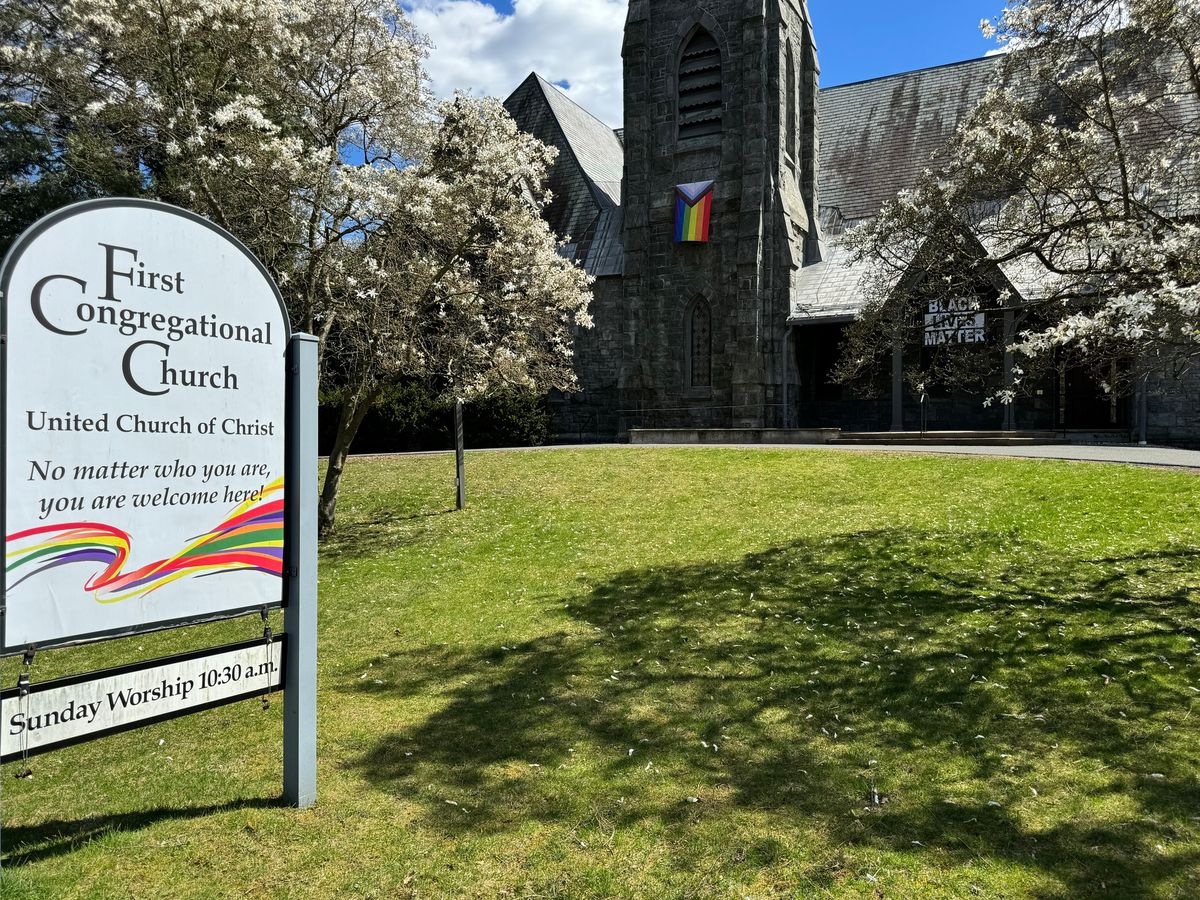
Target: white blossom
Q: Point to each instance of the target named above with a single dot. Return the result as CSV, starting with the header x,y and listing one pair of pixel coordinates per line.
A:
x,y
407,237
1078,176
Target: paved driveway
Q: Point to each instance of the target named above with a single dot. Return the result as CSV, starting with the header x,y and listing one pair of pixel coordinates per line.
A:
x,y
1141,456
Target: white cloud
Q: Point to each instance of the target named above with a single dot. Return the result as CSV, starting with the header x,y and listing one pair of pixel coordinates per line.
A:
x,y
573,41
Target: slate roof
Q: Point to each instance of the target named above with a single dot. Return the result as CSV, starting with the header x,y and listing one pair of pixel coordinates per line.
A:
x,y
595,145
878,136
585,180
830,290
606,256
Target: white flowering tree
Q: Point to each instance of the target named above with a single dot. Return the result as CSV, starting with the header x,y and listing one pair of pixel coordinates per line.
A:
x,y
1069,200
461,284
408,238
278,119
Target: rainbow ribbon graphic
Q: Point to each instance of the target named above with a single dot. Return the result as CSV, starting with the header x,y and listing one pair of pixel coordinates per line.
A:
x,y
251,537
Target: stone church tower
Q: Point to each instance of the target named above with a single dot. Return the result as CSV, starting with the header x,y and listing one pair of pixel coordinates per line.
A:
x,y
722,91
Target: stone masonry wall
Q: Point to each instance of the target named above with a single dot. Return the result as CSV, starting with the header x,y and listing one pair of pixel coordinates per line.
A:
x,y
593,413
1173,409
744,272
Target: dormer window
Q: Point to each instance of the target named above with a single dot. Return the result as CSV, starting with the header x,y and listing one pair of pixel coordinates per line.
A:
x,y
700,87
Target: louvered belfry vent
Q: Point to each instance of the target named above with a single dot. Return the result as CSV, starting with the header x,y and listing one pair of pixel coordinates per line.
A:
x,y
700,87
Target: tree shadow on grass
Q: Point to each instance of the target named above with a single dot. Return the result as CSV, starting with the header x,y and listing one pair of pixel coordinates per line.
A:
x,y
367,537
969,695
24,844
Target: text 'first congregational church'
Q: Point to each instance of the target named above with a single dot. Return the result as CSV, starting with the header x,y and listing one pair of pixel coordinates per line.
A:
x,y
712,220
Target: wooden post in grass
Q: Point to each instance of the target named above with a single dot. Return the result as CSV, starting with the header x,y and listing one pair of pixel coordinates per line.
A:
x,y
459,461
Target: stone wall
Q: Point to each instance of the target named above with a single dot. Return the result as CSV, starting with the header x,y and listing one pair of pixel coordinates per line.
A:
x,y
593,413
1173,409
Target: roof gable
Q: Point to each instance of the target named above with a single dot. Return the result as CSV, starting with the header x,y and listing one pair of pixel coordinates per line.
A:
x,y
596,148
585,179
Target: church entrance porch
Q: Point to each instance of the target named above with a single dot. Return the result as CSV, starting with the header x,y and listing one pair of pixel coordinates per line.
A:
x,y
1084,406
1070,404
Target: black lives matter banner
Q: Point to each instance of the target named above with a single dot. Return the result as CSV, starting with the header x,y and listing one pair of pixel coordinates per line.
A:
x,y
954,322
67,711
143,425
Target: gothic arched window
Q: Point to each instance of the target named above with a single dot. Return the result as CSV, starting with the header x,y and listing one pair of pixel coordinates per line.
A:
x,y
700,87
790,104
699,344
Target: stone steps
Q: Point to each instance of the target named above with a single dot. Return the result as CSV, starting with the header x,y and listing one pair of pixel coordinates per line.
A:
x,y
732,435
954,438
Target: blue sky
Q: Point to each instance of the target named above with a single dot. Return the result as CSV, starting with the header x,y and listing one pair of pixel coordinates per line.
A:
x,y
489,46
859,39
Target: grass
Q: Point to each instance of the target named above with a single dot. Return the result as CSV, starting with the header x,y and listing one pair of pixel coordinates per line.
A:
x,y
687,673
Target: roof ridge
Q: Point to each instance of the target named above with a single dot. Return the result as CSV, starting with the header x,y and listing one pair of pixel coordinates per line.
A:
x,y
960,62
587,139
554,87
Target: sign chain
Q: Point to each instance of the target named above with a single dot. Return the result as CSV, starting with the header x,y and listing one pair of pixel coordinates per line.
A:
x,y
268,635
23,687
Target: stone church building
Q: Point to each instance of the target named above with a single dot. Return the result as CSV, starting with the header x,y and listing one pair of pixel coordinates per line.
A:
x,y
743,330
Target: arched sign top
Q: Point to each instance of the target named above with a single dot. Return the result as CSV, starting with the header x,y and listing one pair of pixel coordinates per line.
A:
x,y
143,424
34,231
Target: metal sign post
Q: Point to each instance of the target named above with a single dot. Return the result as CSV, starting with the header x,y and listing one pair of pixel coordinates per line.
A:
x,y
300,614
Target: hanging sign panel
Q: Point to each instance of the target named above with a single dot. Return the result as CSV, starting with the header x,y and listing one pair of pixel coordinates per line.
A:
x,y
72,710
143,425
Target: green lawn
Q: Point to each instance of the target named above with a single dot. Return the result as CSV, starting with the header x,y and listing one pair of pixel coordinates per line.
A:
x,y
687,673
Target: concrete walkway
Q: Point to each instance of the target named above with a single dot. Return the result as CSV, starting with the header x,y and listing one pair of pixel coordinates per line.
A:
x,y
1139,456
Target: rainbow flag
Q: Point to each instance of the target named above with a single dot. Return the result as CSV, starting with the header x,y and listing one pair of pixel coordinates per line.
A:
x,y
693,211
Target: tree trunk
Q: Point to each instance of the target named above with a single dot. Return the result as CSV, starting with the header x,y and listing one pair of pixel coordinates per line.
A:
x,y
354,410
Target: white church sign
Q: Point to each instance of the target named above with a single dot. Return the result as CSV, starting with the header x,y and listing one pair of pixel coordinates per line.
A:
x,y
143,426
957,321
153,397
